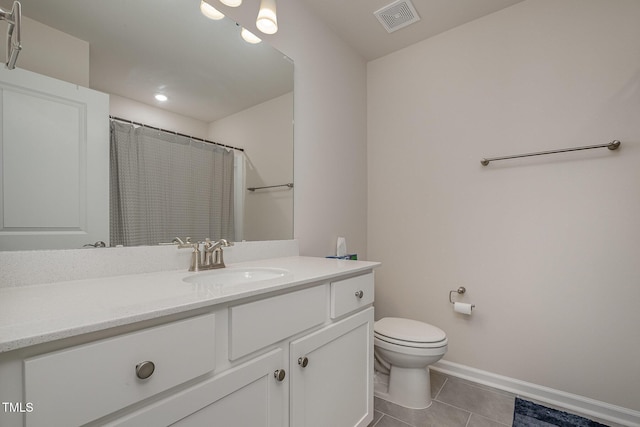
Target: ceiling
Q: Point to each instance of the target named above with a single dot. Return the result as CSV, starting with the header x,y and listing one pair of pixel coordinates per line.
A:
x,y
138,47
355,23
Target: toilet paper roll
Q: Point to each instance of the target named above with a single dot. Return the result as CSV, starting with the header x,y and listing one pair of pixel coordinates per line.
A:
x,y
462,307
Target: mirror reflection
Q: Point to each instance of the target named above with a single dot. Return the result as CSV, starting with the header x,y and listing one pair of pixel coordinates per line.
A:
x,y
217,86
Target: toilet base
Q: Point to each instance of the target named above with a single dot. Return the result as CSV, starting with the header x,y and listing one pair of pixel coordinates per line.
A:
x,y
408,387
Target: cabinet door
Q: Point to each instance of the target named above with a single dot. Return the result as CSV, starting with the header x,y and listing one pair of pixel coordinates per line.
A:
x,y
54,157
335,388
246,395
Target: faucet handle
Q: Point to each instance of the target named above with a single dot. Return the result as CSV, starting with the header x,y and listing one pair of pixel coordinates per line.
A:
x,y
207,244
211,246
186,244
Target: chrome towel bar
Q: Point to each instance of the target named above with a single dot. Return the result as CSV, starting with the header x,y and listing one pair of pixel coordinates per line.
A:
x,y
290,185
613,145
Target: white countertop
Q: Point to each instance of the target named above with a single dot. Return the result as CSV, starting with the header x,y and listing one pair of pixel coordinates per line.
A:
x,y
37,314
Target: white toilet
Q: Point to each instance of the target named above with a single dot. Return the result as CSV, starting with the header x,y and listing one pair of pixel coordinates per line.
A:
x,y
404,349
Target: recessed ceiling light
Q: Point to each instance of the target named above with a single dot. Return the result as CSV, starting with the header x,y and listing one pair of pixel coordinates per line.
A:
x,y
231,3
160,97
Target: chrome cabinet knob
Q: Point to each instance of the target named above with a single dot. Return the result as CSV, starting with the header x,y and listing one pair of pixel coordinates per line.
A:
x,y
359,294
145,369
279,375
303,361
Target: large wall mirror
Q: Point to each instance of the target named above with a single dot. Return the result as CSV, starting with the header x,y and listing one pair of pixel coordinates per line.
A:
x,y
219,87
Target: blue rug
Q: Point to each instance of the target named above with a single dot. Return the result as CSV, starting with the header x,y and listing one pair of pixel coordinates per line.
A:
x,y
529,414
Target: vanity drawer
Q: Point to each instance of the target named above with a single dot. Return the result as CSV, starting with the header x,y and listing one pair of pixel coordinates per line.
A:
x,y
351,294
83,383
258,324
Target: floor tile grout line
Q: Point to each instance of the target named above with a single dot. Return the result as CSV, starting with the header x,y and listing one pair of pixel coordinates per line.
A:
x,y
490,419
398,419
384,414
468,412
483,387
378,422
440,389
441,402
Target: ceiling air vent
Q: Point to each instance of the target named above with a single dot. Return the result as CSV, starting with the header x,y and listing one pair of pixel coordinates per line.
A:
x,y
397,15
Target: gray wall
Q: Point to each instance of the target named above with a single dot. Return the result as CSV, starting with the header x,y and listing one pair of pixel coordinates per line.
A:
x,y
548,247
329,131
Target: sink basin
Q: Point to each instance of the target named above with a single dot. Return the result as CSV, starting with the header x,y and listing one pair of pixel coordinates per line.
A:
x,y
234,276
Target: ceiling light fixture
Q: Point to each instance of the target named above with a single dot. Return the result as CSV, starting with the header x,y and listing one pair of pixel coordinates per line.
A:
x,y
267,21
160,97
231,3
249,37
210,11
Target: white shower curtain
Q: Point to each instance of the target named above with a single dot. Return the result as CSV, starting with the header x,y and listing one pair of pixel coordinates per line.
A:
x,y
239,193
165,185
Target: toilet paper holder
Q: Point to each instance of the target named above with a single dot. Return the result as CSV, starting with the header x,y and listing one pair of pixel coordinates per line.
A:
x,y
461,290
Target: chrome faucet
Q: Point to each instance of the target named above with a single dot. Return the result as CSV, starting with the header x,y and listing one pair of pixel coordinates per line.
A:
x,y
213,256
211,252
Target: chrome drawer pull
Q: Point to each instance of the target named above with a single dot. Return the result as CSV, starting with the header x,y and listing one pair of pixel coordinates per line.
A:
x,y
359,294
303,361
145,369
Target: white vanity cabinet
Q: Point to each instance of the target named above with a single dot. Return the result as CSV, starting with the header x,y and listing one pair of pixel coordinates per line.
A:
x,y
298,357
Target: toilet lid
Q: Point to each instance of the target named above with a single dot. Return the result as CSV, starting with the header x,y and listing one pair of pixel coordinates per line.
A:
x,y
408,330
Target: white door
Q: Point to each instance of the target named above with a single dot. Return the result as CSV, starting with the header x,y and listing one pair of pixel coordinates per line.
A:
x,y
54,154
335,388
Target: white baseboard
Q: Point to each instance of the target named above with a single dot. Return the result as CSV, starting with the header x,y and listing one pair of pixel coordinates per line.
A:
x,y
572,402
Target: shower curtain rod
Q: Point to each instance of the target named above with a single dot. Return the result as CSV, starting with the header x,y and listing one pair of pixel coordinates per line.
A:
x,y
120,119
613,145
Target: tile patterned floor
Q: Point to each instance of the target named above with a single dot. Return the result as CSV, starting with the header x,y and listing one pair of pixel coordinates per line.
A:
x,y
456,403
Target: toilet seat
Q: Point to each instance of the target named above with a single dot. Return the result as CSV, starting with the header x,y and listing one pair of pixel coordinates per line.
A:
x,y
411,344
409,333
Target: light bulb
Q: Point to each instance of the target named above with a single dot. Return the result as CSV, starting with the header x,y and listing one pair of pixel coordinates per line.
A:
x,y
160,97
210,11
267,21
249,37
231,3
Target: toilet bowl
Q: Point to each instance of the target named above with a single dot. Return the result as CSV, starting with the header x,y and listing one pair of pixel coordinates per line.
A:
x,y
404,349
